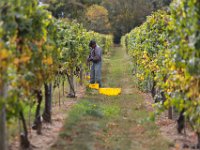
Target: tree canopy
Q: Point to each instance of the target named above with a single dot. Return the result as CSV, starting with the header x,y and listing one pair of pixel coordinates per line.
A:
x,y
106,16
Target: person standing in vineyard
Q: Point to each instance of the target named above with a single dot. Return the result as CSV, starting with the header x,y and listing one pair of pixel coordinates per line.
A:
x,y
96,58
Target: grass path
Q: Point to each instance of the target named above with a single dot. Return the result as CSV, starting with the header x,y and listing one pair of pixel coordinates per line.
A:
x,y
99,122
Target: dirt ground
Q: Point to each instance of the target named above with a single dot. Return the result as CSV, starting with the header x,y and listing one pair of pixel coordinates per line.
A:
x,y
168,129
50,132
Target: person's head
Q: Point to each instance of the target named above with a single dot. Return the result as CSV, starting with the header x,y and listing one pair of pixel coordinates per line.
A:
x,y
92,44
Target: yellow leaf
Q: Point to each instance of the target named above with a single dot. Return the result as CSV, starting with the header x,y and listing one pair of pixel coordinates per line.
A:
x,y
24,59
166,104
48,61
4,54
16,61
39,76
49,16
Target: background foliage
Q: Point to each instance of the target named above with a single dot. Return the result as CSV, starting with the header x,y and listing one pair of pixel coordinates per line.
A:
x,y
123,15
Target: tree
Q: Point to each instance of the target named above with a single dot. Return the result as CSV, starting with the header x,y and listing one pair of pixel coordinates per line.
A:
x,y
73,9
125,15
97,19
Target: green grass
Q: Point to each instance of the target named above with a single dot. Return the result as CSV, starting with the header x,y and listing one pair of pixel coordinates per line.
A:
x,y
121,122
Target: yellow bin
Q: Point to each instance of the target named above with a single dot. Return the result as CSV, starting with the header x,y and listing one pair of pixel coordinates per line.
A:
x,y
94,86
110,91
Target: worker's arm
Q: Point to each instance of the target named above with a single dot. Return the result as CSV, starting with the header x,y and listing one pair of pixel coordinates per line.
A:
x,y
90,56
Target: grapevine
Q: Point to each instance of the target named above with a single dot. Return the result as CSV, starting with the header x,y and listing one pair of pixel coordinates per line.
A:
x,y
165,52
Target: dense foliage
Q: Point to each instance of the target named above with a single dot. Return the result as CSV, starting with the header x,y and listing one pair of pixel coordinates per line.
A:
x,y
111,16
34,48
166,53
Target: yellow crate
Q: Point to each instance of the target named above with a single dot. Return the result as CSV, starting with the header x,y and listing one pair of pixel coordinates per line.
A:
x,y
110,91
94,86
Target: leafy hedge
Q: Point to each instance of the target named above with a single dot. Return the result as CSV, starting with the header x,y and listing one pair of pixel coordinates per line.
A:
x,y
34,48
166,54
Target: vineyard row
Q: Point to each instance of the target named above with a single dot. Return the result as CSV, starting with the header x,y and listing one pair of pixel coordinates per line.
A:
x,y
166,57
37,50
